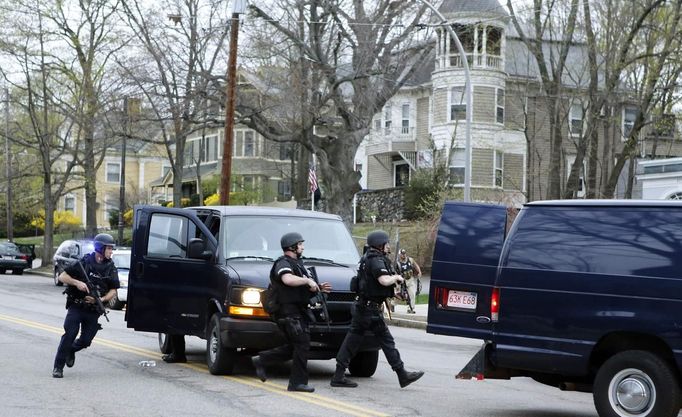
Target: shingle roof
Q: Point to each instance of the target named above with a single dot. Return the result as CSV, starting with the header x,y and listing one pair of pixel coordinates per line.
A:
x,y
492,7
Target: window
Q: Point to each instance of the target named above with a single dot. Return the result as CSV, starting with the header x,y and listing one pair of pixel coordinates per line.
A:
x,y
284,151
457,166
114,172
387,119
629,116
499,168
405,127
401,174
458,107
249,144
358,167
284,189
167,236
165,170
110,204
211,149
377,124
69,203
576,119
499,114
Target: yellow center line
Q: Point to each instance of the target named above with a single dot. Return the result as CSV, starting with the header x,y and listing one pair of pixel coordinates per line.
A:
x,y
316,399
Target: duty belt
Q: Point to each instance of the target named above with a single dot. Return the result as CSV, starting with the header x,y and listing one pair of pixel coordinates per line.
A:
x,y
369,303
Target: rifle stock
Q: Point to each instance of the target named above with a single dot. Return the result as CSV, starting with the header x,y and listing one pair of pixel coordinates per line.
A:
x,y
319,297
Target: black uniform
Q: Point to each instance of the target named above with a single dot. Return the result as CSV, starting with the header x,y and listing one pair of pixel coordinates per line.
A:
x,y
293,320
367,314
81,315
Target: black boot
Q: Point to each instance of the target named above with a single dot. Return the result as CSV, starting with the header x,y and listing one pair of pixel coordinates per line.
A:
x,y
260,369
339,379
406,378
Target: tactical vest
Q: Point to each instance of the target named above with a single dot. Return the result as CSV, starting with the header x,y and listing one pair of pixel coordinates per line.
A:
x,y
290,295
97,273
405,268
369,286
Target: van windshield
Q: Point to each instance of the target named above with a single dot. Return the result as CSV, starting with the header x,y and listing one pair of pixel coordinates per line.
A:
x,y
260,236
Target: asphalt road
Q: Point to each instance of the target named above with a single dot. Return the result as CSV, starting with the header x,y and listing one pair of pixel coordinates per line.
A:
x,y
107,380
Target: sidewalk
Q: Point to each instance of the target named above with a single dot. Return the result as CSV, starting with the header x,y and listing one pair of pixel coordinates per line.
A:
x,y
401,318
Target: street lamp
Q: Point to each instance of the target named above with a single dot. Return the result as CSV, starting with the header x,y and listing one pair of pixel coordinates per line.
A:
x,y
238,7
469,95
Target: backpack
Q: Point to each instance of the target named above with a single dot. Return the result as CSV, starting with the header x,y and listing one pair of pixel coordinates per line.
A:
x,y
358,284
269,300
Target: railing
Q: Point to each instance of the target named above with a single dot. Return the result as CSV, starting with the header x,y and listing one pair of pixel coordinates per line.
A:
x,y
475,61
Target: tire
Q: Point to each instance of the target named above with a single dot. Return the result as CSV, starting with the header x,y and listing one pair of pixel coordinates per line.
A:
x,y
17,272
220,359
636,383
164,343
364,364
116,304
57,282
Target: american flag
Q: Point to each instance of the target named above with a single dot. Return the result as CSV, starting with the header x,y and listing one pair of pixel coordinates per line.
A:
x,y
312,178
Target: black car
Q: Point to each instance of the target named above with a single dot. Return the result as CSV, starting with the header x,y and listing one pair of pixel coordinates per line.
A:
x,y
12,259
201,271
68,252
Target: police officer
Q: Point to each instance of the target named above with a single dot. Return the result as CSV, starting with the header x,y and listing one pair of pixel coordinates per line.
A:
x,y
80,300
408,268
293,286
379,281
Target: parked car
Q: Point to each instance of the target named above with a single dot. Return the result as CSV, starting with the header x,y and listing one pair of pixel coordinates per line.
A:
x,y
582,295
28,250
11,259
200,271
121,258
67,253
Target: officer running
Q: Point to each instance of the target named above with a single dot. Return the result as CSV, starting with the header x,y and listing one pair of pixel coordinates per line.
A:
x,y
293,285
80,302
379,281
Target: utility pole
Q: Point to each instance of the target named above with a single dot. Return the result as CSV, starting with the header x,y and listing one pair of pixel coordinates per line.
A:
x,y
8,171
122,180
226,167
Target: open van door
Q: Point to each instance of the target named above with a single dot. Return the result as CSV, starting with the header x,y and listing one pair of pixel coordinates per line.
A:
x,y
172,271
465,259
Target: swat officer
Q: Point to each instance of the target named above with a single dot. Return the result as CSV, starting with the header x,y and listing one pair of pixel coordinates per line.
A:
x,y
408,268
293,286
376,284
80,300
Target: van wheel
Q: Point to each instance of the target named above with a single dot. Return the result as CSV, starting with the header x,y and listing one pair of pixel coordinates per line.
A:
x,y
364,364
636,383
220,359
164,343
57,282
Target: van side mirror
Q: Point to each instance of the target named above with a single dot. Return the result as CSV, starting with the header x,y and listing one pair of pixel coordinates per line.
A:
x,y
195,249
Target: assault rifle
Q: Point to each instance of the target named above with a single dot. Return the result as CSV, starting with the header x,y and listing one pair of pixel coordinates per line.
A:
x,y
94,293
319,297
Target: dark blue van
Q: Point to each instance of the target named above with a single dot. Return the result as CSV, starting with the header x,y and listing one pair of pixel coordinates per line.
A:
x,y
582,295
200,272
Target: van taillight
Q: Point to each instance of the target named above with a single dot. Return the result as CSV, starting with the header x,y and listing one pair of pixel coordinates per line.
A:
x,y
495,305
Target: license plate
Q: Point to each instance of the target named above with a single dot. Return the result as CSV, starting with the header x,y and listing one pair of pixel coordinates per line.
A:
x,y
461,299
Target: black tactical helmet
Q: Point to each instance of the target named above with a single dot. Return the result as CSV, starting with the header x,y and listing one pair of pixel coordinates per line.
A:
x,y
290,239
377,239
103,240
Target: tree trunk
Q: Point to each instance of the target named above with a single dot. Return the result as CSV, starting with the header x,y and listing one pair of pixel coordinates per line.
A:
x,y
48,239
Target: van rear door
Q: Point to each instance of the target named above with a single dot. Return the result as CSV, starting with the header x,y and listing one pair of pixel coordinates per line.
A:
x,y
465,259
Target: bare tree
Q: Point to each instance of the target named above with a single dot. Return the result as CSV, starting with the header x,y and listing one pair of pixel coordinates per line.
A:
x,y
182,44
352,57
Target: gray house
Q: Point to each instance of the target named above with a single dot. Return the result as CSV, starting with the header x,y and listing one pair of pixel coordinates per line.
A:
x,y
510,131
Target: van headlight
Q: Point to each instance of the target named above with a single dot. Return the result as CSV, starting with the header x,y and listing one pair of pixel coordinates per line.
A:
x,y
251,297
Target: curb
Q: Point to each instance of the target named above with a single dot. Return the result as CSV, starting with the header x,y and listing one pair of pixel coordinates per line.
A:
x,y
399,320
